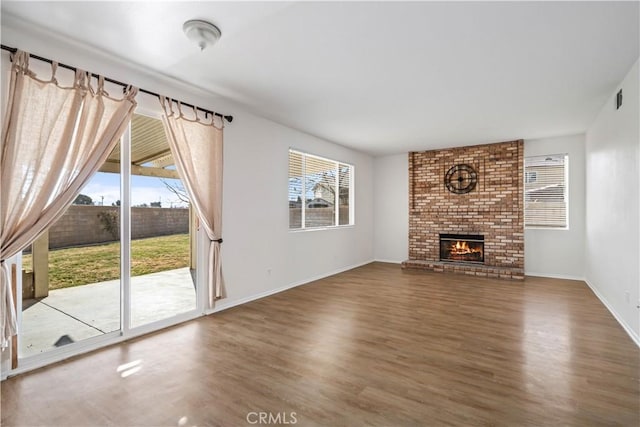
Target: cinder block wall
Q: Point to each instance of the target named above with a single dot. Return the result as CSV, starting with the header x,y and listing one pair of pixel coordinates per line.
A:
x,y
84,225
493,209
317,217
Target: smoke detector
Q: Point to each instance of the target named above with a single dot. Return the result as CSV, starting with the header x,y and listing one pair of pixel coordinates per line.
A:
x,y
203,33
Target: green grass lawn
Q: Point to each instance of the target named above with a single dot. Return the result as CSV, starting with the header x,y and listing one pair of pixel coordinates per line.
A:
x,y
91,264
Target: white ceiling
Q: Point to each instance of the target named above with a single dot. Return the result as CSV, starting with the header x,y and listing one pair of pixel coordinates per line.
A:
x,y
380,77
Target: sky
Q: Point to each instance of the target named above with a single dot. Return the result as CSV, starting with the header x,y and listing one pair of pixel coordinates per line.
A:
x,y
143,190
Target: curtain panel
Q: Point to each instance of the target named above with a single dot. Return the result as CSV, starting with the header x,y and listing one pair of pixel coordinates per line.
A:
x,y
54,139
197,149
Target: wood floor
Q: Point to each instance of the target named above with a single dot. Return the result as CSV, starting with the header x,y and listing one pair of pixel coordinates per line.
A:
x,y
373,346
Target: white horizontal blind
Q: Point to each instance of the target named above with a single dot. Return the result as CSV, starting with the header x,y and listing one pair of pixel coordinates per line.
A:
x,y
344,210
296,190
319,191
545,191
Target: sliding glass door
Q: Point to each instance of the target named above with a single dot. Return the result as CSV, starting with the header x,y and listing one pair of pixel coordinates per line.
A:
x,y
162,274
122,258
71,287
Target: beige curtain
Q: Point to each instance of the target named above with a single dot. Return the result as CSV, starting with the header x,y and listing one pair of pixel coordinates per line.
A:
x,y
53,140
197,149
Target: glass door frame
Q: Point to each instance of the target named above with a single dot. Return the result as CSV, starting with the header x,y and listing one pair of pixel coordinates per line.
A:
x,y
125,248
125,332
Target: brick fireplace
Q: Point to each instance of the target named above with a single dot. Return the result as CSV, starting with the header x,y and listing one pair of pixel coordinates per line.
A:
x,y
490,213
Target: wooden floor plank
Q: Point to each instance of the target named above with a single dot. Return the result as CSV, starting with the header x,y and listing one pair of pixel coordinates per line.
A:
x,y
372,346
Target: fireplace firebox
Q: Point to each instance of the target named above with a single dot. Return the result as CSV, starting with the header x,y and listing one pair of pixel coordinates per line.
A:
x,y
462,248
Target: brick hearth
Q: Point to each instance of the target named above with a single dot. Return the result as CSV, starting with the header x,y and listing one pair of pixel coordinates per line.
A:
x,y
493,209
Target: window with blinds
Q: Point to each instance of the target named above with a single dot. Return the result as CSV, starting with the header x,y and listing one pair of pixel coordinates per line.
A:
x,y
545,191
320,192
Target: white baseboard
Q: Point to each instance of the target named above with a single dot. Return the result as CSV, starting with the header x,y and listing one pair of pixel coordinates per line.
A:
x,y
390,261
224,306
625,326
554,276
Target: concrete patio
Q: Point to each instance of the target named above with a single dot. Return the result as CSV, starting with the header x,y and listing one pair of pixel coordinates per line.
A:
x,y
80,312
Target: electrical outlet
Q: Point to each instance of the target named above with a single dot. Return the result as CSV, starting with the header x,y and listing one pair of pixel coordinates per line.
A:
x,y
627,297
268,272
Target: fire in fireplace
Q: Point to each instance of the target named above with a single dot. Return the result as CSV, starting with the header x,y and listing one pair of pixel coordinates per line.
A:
x,y
462,248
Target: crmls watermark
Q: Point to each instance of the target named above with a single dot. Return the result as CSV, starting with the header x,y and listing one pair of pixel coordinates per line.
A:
x,y
272,418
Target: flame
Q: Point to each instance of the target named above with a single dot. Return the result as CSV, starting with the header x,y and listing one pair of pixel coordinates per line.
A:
x,y
462,248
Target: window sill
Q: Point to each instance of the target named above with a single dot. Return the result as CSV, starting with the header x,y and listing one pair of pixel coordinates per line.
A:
x,y
332,227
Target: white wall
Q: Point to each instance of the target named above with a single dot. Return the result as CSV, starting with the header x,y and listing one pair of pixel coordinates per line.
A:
x,y
553,252
260,254
613,180
391,208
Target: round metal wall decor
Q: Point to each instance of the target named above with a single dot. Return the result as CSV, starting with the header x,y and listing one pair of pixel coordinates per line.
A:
x,y
461,179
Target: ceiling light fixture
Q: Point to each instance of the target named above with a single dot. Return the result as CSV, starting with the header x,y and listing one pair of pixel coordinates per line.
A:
x,y
203,33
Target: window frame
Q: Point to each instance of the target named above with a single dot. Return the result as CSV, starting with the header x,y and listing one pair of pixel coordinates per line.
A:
x,y
566,194
303,227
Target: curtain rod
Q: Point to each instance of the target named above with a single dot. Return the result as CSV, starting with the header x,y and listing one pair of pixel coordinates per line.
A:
x,y
148,92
